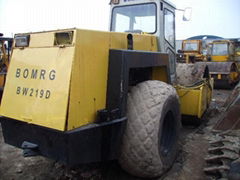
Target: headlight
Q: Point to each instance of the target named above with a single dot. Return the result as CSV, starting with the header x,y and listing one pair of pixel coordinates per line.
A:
x,y
22,40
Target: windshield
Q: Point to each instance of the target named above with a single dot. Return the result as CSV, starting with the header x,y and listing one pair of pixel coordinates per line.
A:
x,y
190,47
134,18
220,49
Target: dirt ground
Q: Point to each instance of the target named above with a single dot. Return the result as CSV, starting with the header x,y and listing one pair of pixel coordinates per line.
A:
x,y
189,164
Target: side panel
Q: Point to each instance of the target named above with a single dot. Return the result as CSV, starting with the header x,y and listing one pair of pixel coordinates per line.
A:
x,y
145,43
140,42
220,58
88,78
88,92
37,86
195,101
189,101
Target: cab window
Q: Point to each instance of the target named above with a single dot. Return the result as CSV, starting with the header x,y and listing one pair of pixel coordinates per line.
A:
x,y
220,49
169,29
134,18
190,47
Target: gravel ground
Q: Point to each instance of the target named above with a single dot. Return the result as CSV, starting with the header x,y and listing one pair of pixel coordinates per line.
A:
x,y
189,163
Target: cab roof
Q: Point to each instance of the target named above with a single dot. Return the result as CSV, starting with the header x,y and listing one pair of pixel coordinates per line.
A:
x,y
122,2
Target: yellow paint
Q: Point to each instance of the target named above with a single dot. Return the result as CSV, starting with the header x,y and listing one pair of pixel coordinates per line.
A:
x,y
90,69
219,76
194,101
160,73
189,101
79,89
219,58
44,101
89,77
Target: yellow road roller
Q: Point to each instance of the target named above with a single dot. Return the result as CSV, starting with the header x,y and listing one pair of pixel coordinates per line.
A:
x,y
81,96
225,62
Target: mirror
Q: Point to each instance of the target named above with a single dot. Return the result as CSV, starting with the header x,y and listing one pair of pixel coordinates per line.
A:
x,y
187,14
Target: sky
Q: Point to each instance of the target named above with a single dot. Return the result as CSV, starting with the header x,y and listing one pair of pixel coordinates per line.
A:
x,y
212,17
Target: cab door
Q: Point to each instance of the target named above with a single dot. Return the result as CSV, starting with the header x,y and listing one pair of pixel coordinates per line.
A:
x,y
169,36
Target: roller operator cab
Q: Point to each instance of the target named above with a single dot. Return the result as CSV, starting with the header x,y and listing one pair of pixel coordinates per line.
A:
x,y
153,17
81,96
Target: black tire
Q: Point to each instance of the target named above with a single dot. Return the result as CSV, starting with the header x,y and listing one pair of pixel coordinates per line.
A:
x,y
150,142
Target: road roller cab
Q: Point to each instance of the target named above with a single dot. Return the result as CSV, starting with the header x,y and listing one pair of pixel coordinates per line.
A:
x,y
223,50
81,96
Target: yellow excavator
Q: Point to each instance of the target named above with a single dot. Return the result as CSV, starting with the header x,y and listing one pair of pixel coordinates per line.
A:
x,y
225,62
5,53
81,96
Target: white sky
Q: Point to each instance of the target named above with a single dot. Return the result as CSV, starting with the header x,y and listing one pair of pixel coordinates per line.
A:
x,y
214,17
210,17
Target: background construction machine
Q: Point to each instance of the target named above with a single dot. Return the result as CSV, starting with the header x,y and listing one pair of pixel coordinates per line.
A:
x,y
195,49
84,96
192,51
5,50
225,62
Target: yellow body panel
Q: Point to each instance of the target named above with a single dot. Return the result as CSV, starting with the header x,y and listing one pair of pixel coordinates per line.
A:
x,y
160,74
189,101
194,101
42,40
80,86
79,89
89,77
90,69
35,98
219,58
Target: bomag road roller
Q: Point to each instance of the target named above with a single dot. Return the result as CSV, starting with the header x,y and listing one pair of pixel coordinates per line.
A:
x,y
225,62
81,96
5,50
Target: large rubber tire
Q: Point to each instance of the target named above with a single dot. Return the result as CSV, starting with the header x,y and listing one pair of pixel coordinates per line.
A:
x,y
150,141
